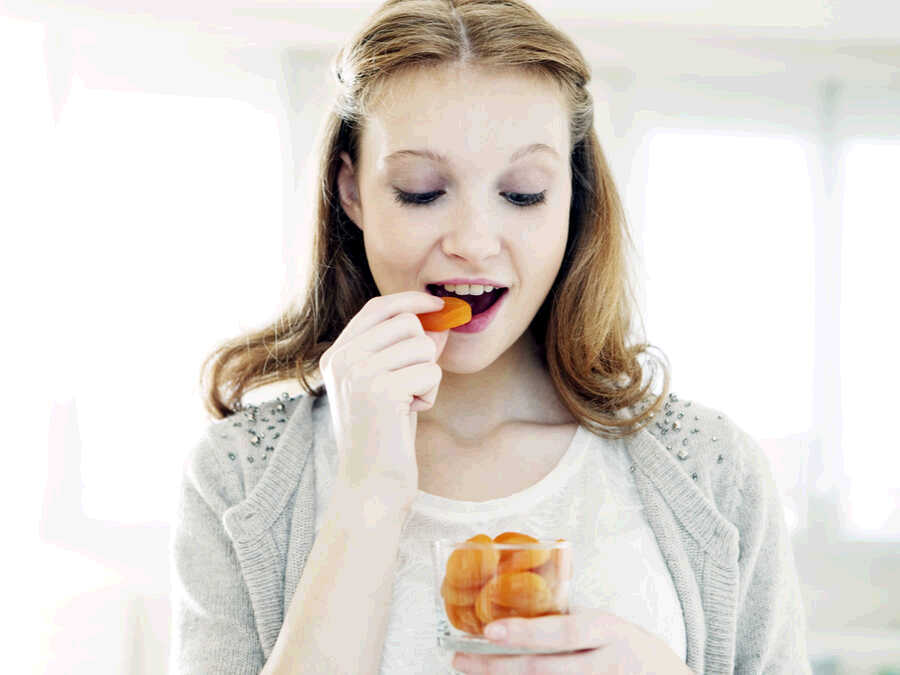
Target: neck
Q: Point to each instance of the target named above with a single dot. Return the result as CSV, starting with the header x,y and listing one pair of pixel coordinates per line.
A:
x,y
515,388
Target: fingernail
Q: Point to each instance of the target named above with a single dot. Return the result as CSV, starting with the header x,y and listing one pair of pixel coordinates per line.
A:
x,y
495,632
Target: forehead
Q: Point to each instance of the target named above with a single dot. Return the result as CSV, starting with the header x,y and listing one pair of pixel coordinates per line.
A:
x,y
464,112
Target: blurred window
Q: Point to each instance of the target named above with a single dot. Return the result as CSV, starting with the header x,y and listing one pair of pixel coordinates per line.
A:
x,y
728,254
870,330
169,204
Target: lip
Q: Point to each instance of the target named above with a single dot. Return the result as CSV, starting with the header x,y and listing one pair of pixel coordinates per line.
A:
x,y
481,321
460,280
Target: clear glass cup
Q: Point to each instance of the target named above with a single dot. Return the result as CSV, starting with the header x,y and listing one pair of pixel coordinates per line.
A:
x,y
476,582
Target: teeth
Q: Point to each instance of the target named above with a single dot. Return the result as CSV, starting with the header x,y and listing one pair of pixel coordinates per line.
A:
x,y
468,289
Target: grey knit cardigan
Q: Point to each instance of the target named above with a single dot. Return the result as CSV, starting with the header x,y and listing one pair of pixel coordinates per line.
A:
x,y
244,526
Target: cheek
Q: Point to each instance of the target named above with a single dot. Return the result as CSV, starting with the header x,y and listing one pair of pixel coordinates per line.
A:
x,y
396,246
403,241
545,240
387,234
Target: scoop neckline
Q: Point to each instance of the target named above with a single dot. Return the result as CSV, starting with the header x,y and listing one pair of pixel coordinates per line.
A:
x,y
435,505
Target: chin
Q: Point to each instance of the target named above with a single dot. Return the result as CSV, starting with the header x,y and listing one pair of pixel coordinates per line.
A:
x,y
463,362
460,356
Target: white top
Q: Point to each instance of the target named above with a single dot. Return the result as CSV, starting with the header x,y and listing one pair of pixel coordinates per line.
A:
x,y
589,498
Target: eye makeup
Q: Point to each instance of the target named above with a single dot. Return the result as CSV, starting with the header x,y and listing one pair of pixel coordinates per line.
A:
x,y
425,198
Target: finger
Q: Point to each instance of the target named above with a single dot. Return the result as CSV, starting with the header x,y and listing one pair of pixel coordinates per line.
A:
x,y
417,380
396,357
426,401
383,307
440,341
385,334
585,629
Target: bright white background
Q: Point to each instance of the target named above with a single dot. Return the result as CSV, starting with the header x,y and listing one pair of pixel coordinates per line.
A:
x,y
155,182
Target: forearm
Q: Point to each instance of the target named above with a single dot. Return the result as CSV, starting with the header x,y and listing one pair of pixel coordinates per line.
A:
x,y
337,620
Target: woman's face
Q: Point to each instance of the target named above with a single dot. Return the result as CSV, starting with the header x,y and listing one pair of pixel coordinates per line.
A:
x,y
477,221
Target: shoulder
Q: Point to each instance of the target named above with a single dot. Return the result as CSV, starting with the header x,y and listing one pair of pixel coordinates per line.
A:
x,y
711,448
234,453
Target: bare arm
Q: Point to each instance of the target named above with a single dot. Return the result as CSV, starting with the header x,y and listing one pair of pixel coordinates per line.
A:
x,y
337,619
379,373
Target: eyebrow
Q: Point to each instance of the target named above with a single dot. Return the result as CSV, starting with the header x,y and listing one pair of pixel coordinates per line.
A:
x,y
437,157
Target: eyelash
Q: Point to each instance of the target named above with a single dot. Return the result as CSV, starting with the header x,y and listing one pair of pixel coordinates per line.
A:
x,y
415,199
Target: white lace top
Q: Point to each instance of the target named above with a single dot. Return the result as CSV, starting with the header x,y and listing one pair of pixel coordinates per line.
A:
x,y
589,498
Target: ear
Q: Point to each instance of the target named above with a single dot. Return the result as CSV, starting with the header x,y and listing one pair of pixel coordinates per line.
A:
x,y
348,190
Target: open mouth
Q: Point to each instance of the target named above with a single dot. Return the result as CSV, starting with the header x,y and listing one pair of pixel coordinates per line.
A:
x,y
479,303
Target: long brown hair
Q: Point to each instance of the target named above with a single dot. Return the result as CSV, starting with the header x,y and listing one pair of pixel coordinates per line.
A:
x,y
582,326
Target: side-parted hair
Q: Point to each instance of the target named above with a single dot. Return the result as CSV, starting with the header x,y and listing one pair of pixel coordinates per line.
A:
x,y
584,322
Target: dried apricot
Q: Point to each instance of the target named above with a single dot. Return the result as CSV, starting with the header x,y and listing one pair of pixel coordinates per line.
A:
x,y
558,568
458,596
483,584
463,618
486,609
456,312
557,573
514,538
471,567
526,592
512,560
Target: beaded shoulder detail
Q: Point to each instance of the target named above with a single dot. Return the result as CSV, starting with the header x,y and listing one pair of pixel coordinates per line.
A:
x,y
250,436
703,439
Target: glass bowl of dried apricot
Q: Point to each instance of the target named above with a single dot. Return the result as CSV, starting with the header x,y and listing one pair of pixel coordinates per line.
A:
x,y
482,579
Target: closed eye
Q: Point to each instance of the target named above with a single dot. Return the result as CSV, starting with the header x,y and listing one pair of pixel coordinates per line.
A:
x,y
425,198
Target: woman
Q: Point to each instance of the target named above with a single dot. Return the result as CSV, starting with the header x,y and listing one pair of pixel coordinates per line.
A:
x,y
460,158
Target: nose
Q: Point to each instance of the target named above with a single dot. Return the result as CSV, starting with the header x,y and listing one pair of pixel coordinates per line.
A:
x,y
471,238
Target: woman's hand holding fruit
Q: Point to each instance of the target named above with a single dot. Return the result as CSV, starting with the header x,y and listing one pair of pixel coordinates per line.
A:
x,y
379,373
600,642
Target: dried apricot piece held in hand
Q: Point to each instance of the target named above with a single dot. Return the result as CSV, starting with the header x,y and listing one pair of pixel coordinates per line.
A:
x,y
455,313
